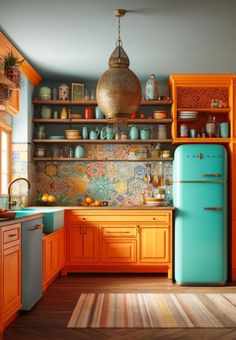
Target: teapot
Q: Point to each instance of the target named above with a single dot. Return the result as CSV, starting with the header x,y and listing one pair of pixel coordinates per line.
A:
x,y
134,133
107,133
94,134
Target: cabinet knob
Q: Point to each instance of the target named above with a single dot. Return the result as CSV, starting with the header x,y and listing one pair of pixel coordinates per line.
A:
x,y
154,218
83,218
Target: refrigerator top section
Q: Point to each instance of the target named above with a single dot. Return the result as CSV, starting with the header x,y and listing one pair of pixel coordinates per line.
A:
x,y
200,162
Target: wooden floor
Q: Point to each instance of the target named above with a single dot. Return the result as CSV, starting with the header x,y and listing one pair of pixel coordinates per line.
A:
x,y
49,318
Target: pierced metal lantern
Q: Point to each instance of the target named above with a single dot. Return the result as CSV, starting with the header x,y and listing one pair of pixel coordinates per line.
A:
x,y
118,90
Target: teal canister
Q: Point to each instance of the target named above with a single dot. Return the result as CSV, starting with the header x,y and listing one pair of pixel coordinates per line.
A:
x,y
145,134
98,113
134,133
79,151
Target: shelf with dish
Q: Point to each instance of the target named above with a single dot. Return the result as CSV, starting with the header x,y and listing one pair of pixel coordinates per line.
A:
x,y
190,140
103,141
100,121
94,102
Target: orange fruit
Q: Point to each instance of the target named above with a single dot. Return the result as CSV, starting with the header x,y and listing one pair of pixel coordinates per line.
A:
x,y
88,200
52,199
97,203
44,197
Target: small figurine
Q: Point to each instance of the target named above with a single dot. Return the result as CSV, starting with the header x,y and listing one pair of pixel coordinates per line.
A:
x,y
63,92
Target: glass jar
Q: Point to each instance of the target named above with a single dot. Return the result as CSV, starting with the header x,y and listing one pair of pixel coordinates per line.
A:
x,y
151,90
183,130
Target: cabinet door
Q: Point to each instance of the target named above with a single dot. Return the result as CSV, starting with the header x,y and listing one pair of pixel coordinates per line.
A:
x,y
83,244
14,102
154,244
11,281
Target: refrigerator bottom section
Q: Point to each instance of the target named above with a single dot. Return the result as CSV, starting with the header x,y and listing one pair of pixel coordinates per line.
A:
x,y
200,253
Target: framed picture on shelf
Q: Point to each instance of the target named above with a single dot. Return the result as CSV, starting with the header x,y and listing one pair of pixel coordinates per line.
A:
x,y
77,91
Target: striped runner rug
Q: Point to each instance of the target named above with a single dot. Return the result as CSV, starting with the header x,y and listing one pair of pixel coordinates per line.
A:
x,y
154,310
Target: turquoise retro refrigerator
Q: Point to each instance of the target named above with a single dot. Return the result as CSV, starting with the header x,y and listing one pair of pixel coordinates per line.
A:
x,y
200,199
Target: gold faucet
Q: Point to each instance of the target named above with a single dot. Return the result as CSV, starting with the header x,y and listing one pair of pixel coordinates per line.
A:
x,y
10,202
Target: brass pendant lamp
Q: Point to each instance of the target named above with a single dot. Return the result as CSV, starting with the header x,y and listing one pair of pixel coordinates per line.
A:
x,y
118,90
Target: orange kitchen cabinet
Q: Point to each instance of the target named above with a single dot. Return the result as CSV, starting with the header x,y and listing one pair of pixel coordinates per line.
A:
x,y
13,106
83,243
53,255
10,273
119,243
195,92
154,245
120,240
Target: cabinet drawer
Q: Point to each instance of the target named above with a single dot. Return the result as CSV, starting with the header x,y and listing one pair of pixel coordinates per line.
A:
x,y
120,232
108,216
11,234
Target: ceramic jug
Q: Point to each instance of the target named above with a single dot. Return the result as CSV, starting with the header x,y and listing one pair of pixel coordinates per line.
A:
x,y
85,132
145,134
134,133
94,134
79,151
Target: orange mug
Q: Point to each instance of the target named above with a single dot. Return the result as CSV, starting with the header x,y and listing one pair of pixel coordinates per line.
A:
x,y
88,113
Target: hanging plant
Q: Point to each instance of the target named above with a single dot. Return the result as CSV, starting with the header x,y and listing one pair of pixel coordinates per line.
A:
x,y
11,67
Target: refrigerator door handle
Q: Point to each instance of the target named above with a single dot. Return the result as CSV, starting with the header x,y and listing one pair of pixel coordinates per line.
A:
x,y
213,208
211,175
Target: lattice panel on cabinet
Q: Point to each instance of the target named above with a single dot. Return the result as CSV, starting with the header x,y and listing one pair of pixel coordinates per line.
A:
x,y
201,97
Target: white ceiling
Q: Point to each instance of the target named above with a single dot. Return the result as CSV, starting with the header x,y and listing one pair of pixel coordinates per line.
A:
x,y
74,38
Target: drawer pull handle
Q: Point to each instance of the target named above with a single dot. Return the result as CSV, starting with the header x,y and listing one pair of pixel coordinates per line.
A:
x,y
213,208
37,226
117,232
12,235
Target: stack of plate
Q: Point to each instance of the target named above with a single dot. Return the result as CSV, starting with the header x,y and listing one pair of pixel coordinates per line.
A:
x,y
72,134
153,202
159,114
187,115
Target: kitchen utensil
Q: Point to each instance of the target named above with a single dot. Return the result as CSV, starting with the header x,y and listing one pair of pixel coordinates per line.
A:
x,y
85,132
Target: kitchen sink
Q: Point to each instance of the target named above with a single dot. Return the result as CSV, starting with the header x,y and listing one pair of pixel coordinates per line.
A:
x,y
53,218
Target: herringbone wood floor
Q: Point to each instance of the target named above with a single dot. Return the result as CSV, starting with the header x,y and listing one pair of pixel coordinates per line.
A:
x,y
49,318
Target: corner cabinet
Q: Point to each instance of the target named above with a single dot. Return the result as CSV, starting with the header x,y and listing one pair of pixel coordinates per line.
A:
x,y
196,93
10,273
60,125
119,240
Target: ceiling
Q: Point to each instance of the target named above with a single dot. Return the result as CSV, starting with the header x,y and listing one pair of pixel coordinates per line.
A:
x,y
74,38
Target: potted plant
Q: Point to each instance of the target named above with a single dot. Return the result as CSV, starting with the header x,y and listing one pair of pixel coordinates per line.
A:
x,y
11,67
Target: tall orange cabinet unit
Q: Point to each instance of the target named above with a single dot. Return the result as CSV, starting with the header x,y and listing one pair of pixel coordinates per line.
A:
x,y
195,93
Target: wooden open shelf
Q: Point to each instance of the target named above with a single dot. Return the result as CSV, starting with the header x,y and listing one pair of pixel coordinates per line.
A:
x,y
213,110
94,102
202,140
103,141
101,121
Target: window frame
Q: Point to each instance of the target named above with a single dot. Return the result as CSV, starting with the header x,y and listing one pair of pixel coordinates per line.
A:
x,y
8,130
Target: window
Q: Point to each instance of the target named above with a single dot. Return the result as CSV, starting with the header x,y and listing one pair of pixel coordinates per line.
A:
x,y
5,158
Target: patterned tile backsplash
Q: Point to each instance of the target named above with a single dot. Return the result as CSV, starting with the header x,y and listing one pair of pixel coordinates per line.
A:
x,y
119,182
